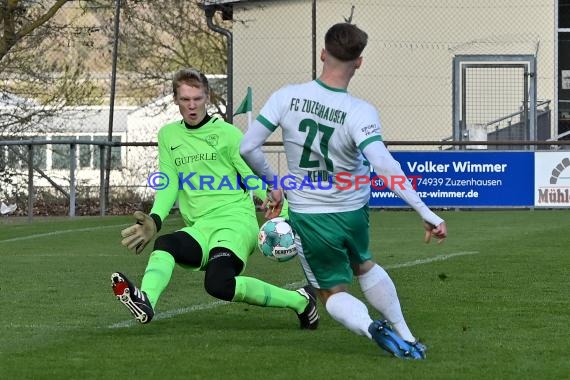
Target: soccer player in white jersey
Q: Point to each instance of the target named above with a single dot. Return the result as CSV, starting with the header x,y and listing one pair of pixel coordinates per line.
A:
x,y
328,133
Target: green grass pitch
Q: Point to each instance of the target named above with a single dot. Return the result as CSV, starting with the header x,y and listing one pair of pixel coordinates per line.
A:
x,y
492,302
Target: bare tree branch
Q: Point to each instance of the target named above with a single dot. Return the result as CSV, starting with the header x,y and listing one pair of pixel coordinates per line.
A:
x,y
159,37
13,13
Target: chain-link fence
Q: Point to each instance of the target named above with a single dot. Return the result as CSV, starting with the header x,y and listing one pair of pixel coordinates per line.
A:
x,y
407,69
65,176
56,85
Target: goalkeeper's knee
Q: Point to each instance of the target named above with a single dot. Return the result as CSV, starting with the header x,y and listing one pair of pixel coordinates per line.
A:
x,y
222,268
220,285
183,247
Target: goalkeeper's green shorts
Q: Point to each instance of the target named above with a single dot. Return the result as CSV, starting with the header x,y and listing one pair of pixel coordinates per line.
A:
x,y
234,231
331,242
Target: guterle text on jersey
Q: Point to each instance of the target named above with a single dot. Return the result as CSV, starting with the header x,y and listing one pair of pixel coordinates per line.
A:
x,y
212,156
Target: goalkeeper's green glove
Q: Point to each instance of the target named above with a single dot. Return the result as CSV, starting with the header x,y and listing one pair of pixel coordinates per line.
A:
x,y
137,236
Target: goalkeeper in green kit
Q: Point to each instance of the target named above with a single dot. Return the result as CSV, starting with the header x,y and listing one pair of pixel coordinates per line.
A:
x,y
199,157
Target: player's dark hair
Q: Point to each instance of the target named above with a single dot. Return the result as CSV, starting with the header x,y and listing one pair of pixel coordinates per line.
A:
x,y
191,77
345,41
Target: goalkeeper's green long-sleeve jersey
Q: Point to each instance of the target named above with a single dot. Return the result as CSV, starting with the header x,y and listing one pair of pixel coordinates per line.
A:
x,y
204,167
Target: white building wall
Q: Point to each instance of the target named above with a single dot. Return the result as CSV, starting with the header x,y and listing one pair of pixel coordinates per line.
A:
x,y
407,70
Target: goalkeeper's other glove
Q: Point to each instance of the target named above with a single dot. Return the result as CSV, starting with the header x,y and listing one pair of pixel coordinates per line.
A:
x,y
137,236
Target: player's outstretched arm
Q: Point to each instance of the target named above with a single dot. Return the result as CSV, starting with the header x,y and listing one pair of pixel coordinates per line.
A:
x,y
137,236
385,164
250,150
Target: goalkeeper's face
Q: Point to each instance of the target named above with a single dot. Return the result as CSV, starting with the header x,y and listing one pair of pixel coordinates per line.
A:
x,y
191,102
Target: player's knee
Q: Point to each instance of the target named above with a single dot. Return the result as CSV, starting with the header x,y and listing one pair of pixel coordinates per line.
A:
x,y
222,268
219,285
166,243
183,247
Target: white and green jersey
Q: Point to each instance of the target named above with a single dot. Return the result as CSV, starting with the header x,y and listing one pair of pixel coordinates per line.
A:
x,y
324,131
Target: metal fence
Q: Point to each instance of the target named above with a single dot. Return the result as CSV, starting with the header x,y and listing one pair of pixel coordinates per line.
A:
x,y
66,177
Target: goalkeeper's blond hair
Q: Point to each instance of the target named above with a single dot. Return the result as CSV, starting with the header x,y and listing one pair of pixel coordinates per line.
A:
x,y
190,77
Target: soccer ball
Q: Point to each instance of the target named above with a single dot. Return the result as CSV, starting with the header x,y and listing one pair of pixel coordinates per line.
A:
x,y
276,240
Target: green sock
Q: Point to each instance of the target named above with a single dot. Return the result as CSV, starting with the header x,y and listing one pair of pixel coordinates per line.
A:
x,y
157,275
256,292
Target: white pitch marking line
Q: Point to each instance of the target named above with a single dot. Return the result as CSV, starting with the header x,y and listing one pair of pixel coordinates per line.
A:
x,y
211,305
172,313
60,233
430,260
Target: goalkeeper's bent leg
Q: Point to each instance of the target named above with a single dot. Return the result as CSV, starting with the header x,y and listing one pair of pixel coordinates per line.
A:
x,y
256,292
157,275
